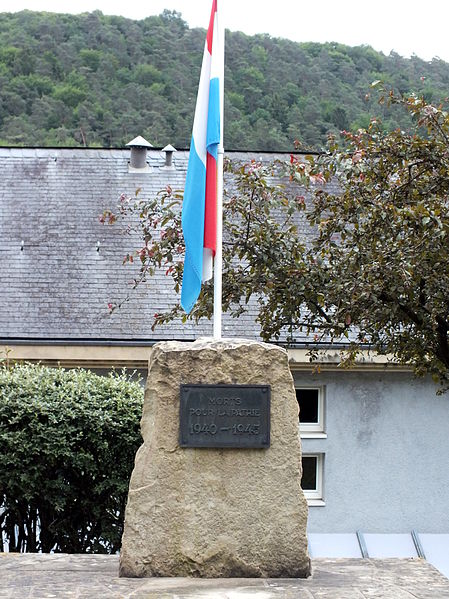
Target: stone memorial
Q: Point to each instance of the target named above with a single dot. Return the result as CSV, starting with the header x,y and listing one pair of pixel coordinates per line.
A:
x,y
215,490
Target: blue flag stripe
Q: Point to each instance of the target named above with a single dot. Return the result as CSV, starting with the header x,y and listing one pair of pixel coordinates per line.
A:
x,y
213,118
193,228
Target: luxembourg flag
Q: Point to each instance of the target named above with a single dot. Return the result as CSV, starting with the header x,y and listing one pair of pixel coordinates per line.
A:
x,y
199,209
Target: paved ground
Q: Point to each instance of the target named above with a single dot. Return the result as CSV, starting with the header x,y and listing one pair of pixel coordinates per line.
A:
x,y
95,577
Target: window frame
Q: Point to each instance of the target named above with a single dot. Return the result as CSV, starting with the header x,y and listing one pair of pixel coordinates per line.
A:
x,y
315,496
314,430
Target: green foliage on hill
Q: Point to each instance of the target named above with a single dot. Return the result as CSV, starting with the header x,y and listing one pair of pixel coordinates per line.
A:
x,y
92,79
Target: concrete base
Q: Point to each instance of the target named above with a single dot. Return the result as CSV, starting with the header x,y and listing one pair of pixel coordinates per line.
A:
x,y
216,512
93,576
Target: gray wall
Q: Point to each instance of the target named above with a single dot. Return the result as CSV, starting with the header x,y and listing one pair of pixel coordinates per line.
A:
x,y
386,455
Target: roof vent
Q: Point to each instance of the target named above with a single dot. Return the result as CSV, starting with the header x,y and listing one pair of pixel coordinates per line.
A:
x,y
169,155
139,147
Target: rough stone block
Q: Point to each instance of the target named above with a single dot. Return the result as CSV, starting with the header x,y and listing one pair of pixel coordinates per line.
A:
x,y
216,512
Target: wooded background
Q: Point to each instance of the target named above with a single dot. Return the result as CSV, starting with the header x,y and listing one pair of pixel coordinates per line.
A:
x,y
97,80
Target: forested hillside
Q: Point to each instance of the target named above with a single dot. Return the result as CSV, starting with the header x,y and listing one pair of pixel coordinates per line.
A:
x,y
92,80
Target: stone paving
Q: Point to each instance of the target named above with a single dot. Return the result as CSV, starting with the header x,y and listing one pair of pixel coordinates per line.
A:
x,y
95,577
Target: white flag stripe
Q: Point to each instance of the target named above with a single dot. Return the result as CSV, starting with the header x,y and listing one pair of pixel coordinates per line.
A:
x,y
208,262
202,106
215,69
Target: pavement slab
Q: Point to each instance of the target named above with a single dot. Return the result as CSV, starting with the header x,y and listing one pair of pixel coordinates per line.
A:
x,y
60,576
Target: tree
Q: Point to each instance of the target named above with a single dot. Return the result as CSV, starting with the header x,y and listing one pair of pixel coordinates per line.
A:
x,y
383,241
366,261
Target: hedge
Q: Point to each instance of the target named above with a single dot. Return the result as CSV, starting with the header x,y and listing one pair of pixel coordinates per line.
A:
x,y
67,444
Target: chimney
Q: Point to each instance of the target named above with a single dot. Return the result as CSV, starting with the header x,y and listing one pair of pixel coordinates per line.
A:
x,y
138,160
169,155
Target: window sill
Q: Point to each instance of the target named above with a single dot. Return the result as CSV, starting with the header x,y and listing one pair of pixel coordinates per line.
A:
x,y
315,502
312,435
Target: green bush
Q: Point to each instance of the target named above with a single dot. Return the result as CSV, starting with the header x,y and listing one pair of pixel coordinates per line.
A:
x,y
67,444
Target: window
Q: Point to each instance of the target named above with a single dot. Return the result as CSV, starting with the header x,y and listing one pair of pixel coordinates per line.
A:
x,y
312,478
311,411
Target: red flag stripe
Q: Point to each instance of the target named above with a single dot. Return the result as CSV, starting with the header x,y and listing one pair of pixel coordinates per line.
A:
x,y
210,31
210,215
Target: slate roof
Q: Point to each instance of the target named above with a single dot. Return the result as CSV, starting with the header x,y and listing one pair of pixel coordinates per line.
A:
x,y
59,285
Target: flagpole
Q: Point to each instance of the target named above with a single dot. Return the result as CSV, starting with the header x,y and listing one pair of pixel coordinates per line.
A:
x,y
218,260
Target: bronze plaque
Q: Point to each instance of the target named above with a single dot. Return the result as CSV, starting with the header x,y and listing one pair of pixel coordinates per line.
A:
x,y
225,416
